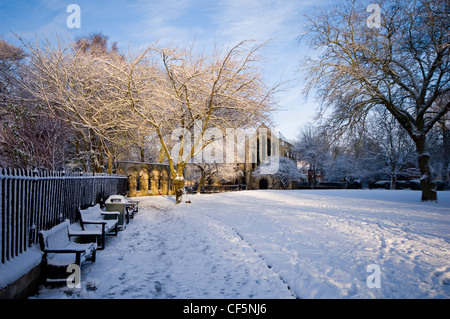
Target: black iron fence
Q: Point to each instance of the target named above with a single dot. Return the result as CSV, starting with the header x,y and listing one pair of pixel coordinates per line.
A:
x,y
32,200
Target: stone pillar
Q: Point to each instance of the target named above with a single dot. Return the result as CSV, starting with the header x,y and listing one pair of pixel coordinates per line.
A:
x,y
143,179
164,182
154,182
132,182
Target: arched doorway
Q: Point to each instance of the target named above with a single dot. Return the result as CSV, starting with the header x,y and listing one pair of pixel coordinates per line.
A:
x,y
263,184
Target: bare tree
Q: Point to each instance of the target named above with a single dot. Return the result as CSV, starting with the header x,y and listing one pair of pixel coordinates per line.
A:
x,y
394,147
403,66
107,98
78,85
312,150
287,172
185,93
440,143
29,136
204,172
11,57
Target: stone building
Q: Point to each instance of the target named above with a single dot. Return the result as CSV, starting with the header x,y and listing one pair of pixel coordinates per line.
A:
x,y
155,179
285,149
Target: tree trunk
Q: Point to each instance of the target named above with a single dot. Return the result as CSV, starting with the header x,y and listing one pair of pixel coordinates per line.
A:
x,y
393,181
178,184
427,182
200,183
142,153
110,164
202,178
100,163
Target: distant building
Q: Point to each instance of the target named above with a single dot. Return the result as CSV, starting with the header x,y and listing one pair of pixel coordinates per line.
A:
x,y
268,181
155,179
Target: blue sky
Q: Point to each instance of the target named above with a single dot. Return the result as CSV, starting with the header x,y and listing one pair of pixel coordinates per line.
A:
x,y
208,23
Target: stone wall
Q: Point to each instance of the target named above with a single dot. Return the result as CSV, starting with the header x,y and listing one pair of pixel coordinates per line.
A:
x,y
25,286
146,178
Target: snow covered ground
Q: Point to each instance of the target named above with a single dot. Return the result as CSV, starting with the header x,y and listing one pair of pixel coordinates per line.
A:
x,y
276,244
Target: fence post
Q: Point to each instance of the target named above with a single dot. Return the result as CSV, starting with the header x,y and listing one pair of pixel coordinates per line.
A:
x,y
2,220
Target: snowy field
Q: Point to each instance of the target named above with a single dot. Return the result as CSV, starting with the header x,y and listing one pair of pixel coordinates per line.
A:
x,y
276,244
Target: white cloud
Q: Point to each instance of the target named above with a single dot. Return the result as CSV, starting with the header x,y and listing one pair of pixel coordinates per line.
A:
x,y
260,20
163,21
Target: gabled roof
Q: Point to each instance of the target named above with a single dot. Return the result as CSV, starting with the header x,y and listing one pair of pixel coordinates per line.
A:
x,y
284,139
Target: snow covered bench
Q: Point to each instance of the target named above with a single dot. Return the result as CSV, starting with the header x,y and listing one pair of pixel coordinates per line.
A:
x,y
60,251
98,223
132,208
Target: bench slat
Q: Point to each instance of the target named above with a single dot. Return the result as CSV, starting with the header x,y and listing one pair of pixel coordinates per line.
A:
x,y
59,250
92,220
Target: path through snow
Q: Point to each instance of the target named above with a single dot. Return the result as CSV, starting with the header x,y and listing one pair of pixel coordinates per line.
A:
x,y
167,252
276,244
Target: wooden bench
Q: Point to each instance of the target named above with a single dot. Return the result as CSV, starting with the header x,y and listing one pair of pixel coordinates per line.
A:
x,y
132,208
60,251
98,223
